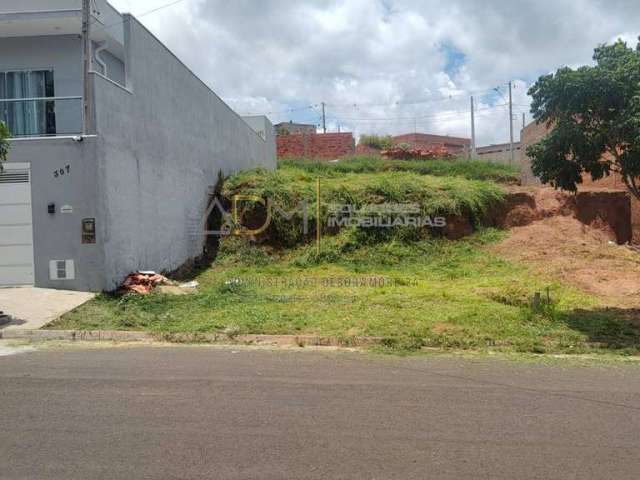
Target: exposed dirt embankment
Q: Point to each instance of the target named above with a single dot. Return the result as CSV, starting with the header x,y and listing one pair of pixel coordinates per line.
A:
x,y
573,239
605,210
523,206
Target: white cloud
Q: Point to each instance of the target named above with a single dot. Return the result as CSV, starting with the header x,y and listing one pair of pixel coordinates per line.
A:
x,y
370,60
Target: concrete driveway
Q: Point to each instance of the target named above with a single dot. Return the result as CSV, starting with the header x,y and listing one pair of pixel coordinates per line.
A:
x,y
31,308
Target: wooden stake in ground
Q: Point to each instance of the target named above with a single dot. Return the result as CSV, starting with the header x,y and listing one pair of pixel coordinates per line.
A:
x,y
318,217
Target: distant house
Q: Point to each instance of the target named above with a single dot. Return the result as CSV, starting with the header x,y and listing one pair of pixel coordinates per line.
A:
x,y
499,153
285,128
454,145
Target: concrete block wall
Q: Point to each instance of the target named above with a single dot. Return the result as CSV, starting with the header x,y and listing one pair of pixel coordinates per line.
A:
x,y
327,146
362,149
500,153
162,141
530,134
265,129
454,145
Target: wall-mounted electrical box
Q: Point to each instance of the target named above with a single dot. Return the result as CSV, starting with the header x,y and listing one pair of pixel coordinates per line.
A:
x,y
62,270
88,230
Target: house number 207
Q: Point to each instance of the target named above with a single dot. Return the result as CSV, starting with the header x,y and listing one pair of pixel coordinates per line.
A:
x,y
62,171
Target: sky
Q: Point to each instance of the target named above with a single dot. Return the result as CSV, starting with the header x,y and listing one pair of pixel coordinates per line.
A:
x,y
384,66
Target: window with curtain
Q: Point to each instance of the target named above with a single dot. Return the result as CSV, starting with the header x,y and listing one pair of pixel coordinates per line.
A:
x,y
32,117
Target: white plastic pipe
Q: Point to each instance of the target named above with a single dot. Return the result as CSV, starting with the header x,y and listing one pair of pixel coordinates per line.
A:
x,y
99,59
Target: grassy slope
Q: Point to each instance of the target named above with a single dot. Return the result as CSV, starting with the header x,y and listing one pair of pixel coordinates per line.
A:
x,y
447,195
472,170
449,294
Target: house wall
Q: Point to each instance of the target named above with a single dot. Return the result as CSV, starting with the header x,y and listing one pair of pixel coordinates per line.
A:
x,y
45,5
499,153
58,236
454,145
290,127
115,66
160,145
265,129
362,149
532,133
327,146
61,53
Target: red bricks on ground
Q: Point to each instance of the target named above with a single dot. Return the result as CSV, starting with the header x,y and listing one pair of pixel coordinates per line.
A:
x,y
142,283
327,146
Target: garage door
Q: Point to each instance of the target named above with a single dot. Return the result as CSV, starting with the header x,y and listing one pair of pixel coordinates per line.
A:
x,y
16,231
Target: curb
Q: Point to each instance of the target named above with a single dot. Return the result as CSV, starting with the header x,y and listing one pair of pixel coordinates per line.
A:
x,y
201,338
81,335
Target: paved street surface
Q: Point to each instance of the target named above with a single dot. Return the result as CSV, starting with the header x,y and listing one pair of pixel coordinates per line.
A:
x,y
204,412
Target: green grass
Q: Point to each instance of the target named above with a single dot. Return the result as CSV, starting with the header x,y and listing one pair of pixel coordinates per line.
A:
x,y
471,170
289,185
412,288
453,295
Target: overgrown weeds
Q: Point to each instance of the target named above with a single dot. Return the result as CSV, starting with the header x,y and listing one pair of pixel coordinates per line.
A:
x,y
469,169
292,191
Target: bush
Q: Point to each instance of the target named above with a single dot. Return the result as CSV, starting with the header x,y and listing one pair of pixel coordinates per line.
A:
x,y
376,141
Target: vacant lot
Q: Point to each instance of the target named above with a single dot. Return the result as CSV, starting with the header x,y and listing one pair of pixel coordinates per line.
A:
x,y
408,285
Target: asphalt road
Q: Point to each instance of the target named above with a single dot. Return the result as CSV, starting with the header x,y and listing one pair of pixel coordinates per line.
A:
x,y
202,412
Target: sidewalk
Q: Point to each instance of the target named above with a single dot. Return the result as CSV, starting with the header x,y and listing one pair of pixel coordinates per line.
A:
x,y
31,308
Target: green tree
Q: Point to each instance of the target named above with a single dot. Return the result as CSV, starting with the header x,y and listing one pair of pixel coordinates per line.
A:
x,y
4,143
594,113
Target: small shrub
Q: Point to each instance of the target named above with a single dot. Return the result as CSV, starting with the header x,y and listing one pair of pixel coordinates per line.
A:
x,y
376,141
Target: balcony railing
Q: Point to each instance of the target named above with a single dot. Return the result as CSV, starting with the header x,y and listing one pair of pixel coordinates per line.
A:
x,y
42,117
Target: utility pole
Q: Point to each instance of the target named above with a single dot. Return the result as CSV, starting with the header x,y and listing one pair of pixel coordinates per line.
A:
x,y
473,131
511,157
86,57
523,120
324,120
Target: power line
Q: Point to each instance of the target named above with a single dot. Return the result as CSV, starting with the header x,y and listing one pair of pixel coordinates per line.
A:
x,y
290,110
357,105
412,102
437,115
140,15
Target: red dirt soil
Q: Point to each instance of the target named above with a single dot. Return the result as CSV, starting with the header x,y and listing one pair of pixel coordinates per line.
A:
x,y
584,256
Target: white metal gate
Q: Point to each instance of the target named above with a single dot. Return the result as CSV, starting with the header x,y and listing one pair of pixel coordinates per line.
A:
x,y
16,230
